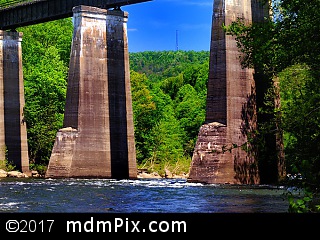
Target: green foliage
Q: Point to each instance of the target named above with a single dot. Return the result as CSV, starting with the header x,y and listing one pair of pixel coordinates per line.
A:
x,y
45,65
168,138
144,112
40,168
190,110
169,100
300,97
38,38
299,28
9,166
8,3
299,205
303,200
5,164
179,167
158,65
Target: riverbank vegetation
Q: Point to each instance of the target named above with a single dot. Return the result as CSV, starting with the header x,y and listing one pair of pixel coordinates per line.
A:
x,y
169,93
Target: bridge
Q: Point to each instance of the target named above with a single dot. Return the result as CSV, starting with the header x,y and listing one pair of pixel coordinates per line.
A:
x,y
97,138
19,13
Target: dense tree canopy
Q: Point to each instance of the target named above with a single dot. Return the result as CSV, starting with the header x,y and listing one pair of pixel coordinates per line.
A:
x,y
45,51
169,106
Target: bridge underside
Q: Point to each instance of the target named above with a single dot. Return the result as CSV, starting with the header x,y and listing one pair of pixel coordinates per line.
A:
x,y
38,11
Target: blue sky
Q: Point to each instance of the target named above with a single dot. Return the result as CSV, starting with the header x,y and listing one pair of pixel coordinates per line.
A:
x,y
161,25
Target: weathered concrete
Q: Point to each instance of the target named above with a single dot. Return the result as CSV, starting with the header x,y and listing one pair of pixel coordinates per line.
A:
x,y
231,108
13,131
98,136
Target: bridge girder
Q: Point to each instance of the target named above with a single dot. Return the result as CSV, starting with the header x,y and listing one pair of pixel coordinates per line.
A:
x,y
41,11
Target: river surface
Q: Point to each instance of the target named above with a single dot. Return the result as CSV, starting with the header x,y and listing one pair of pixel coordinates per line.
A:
x,y
136,196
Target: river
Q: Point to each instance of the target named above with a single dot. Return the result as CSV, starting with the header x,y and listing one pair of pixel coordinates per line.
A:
x,y
33,195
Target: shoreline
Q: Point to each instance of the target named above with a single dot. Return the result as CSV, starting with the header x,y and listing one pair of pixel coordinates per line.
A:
x,y
141,174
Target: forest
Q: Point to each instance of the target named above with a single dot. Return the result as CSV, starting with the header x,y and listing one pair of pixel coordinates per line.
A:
x,y
169,93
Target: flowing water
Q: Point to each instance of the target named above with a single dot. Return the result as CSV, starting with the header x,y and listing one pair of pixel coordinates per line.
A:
x,y
136,196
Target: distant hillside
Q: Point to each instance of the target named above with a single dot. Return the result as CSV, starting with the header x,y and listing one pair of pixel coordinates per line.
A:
x,y
158,65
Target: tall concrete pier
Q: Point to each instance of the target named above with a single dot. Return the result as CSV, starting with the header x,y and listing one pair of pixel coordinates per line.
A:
x,y
223,153
13,132
97,139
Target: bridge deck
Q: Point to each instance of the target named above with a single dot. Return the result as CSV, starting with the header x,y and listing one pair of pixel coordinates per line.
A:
x,y
19,13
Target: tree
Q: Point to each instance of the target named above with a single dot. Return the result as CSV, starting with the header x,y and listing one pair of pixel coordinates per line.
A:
x,y
300,98
167,141
175,81
45,90
144,112
45,50
190,111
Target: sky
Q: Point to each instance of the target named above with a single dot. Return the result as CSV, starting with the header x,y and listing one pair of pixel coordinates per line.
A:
x,y
164,25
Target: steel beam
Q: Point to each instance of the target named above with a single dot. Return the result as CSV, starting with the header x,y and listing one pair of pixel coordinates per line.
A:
x,y
35,12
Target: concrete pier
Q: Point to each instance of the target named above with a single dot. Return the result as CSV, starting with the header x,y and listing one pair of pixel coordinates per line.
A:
x,y
97,140
223,153
13,130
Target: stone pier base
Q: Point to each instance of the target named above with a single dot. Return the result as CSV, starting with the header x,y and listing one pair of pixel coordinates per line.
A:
x,y
212,162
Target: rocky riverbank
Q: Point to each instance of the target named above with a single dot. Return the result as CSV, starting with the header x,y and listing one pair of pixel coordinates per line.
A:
x,y
17,174
140,174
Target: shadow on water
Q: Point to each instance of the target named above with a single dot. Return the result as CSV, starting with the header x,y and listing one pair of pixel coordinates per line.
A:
x,y
137,196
